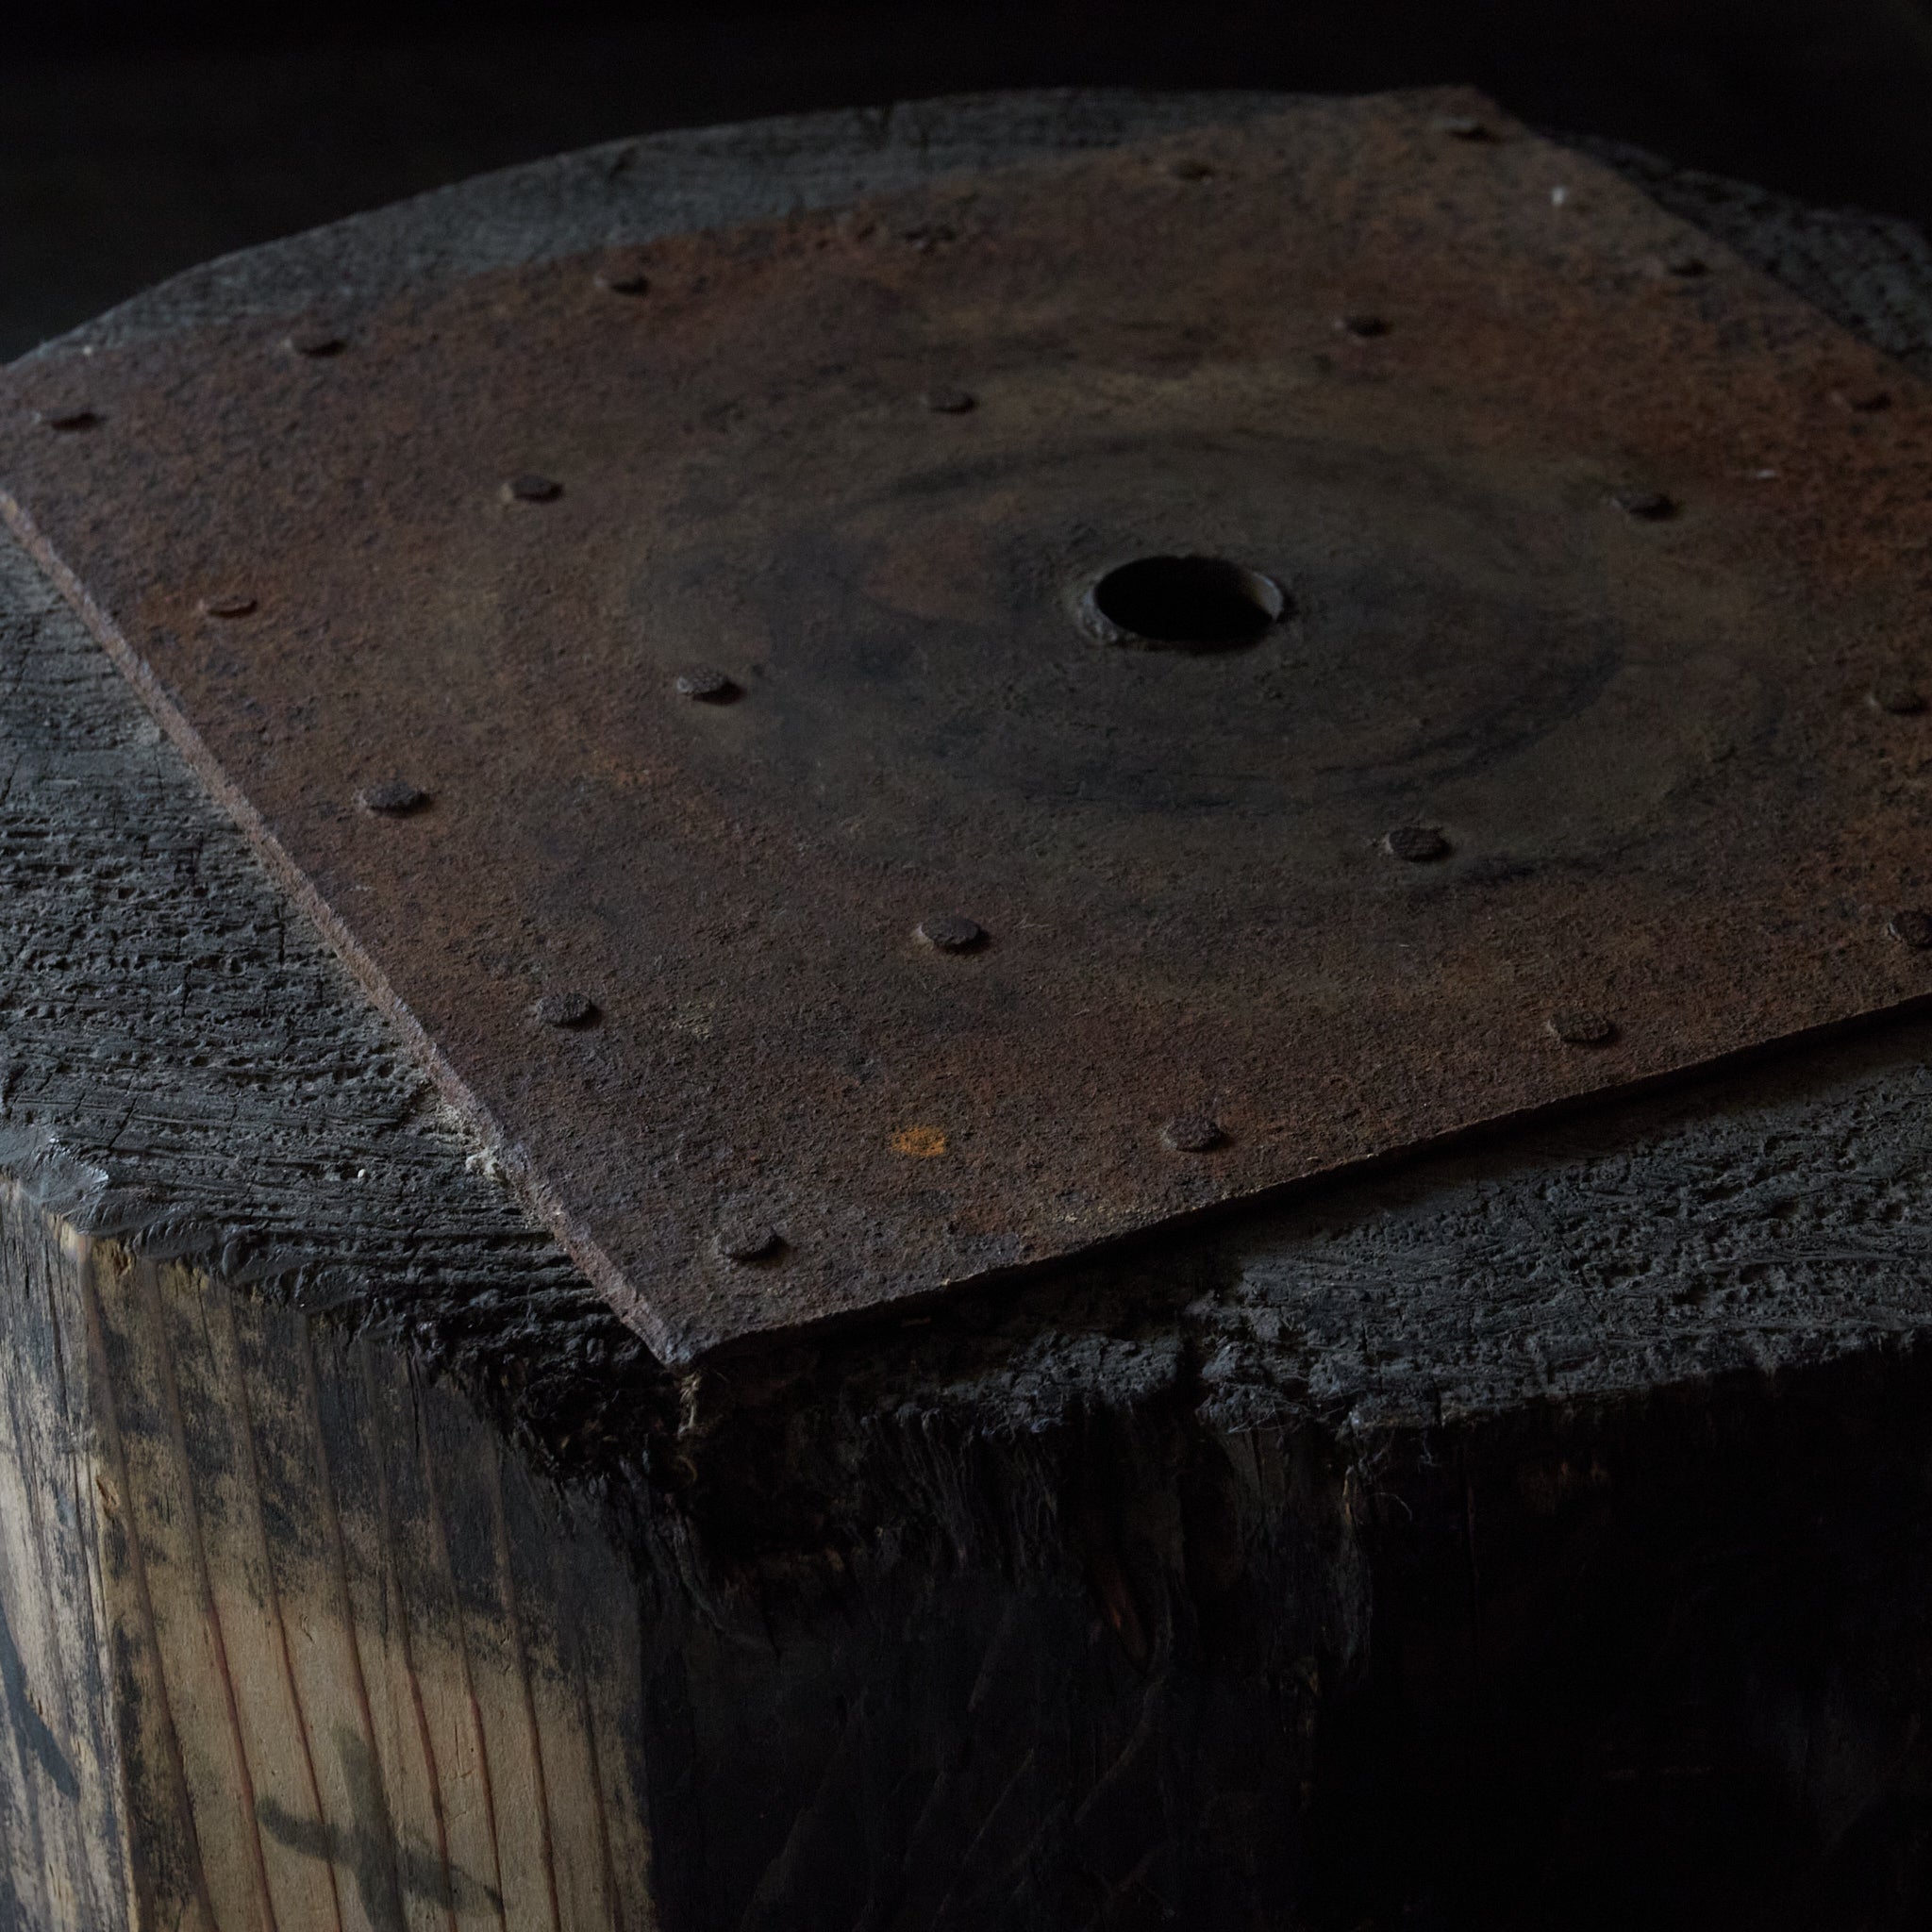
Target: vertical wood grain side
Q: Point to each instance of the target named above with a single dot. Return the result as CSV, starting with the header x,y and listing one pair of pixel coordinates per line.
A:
x,y
62,1845
369,1702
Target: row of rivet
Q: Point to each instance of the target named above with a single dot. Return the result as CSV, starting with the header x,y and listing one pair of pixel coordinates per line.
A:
x,y
753,1239
955,933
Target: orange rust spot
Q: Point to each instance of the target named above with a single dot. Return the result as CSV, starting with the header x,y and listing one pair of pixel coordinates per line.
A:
x,y
922,1144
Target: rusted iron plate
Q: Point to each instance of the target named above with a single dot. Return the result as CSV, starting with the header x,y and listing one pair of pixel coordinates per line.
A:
x,y
820,892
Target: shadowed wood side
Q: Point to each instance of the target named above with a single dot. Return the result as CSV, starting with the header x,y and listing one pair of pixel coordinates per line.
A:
x,y
63,1822
287,1642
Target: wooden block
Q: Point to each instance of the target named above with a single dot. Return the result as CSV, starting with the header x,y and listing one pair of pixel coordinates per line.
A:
x,y
1537,1524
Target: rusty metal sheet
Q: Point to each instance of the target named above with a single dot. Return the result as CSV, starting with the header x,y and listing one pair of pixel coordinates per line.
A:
x,y
871,751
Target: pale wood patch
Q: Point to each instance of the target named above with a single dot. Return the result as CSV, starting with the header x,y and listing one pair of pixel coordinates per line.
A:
x,y
289,1642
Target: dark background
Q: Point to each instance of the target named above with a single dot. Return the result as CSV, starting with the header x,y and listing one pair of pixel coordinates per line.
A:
x,y
136,139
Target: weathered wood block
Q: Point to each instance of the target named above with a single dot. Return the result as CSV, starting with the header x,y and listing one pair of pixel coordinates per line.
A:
x,y
1528,1531
305,1674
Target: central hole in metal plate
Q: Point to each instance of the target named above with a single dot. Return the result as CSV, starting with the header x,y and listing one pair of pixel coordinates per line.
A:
x,y
1183,604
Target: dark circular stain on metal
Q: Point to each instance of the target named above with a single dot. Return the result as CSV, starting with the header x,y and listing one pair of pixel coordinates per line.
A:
x,y
1899,698
1580,1027
1183,603
314,340
393,799
1365,327
745,1239
1912,927
69,416
951,932
229,604
1647,506
531,486
1191,1133
705,684
564,1010
947,401
994,736
1416,843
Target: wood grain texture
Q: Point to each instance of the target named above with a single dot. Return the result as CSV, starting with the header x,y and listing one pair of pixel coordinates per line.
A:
x,y
278,1637
62,1810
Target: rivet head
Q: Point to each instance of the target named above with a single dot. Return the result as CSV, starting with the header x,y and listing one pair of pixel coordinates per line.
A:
x,y
951,932
945,400
1647,506
1418,844
1191,1133
1911,927
1363,327
531,486
1582,1026
564,1010
229,604
1899,698
314,340
624,274
69,416
705,684
392,799
745,1238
